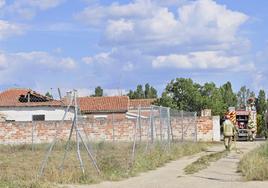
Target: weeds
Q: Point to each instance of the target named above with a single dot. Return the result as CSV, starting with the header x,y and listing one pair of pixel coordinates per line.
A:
x,y
204,161
19,164
253,165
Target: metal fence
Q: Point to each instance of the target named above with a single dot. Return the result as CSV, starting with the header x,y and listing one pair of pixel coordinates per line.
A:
x,y
140,126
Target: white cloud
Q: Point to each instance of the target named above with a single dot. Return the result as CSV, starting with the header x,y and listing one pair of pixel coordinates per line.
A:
x,y
35,59
42,4
83,92
27,8
202,22
100,58
68,63
3,61
87,60
95,15
116,29
8,29
128,67
197,60
200,34
44,59
2,3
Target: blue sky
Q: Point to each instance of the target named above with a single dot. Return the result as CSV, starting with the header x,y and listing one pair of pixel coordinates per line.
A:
x,y
50,44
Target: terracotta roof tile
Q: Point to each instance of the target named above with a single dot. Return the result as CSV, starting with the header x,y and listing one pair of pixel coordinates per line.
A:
x,y
135,103
103,104
11,98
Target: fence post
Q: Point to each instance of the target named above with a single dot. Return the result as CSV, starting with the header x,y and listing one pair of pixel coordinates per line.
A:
x,y
161,124
168,126
33,126
113,126
134,143
182,127
139,120
195,120
152,124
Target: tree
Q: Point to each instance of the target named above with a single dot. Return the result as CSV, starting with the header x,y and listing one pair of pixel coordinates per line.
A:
x,y
139,93
48,95
166,100
131,94
150,92
242,97
98,92
261,102
212,99
182,94
228,96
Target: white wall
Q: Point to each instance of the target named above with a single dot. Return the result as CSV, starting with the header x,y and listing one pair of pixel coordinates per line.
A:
x,y
216,128
25,113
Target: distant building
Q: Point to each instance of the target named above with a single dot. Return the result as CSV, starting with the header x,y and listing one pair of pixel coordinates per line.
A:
x,y
117,107
145,106
104,107
28,105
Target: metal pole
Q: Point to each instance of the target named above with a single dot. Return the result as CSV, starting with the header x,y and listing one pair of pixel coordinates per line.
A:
x,y
182,127
168,126
67,146
161,123
78,151
113,126
134,143
140,122
195,120
41,171
77,138
33,124
148,132
90,154
152,124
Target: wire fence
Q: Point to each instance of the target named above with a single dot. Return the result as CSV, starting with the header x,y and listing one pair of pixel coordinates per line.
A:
x,y
142,128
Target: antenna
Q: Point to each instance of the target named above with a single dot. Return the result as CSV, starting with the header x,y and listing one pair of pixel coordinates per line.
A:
x,y
59,92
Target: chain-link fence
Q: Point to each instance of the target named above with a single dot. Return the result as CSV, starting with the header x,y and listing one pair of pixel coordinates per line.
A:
x,y
75,145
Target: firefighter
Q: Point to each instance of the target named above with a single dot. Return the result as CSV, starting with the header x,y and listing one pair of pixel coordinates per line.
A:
x,y
229,131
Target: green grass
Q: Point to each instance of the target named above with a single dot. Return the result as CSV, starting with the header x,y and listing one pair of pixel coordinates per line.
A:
x,y
19,165
204,161
254,165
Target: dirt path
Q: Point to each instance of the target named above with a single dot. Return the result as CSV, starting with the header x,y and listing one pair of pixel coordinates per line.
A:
x,y
220,174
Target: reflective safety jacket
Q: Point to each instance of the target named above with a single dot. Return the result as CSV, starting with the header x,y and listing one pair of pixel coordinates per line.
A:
x,y
228,128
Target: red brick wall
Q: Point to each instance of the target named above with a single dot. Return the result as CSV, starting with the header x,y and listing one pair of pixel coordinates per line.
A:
x,y
40,132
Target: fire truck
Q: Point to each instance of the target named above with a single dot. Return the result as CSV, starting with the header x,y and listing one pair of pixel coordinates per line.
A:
x,y
245,120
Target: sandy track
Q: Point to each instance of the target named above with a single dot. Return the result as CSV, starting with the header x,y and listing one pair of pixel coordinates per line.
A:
x,y
220,174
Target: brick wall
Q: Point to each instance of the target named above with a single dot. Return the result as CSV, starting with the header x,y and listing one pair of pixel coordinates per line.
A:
x,y
97,130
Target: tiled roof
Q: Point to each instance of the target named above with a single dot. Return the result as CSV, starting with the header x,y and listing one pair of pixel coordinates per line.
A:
x,y
103,104
12,98
135,103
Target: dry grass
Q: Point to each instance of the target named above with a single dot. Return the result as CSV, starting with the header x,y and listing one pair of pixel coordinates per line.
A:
x,y
19,165
254,165
204,161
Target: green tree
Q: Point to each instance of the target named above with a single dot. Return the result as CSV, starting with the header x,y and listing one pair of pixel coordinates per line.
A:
x,y
131,94
182,94
212,99
261,102
139,93
228,96
150,92
166,100
49,95
242,97
98,92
